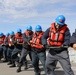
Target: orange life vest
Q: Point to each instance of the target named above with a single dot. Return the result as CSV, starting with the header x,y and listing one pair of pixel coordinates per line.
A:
x,y
11,40
2,39
28,34
18,38
36,41
56,37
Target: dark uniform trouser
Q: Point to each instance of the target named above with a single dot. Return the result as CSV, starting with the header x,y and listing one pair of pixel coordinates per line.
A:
x,y
63,59
9,53
15,55
23,59
1,52
4,52
35,60
24,53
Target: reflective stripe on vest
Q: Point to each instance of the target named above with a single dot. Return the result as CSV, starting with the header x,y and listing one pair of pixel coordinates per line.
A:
x,y
36,41
18,38
56,37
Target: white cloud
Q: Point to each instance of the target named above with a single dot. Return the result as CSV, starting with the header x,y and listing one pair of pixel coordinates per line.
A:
x,y
20,3
19,12
17,9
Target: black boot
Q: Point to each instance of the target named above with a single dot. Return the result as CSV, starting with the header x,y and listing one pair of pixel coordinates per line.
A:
x,y
37,73
19,69
26,66
5,60
9,63
13,65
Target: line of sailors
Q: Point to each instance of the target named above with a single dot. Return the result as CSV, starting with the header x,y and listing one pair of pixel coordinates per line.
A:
x,y
25,43
35,44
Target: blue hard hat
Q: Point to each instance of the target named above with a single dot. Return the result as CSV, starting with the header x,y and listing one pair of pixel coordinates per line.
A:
x,y
29,27
12,33
19,30
60,20
38,28
1,34
7,34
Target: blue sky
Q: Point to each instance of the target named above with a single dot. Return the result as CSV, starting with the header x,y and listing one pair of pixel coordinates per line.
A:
x,y
16,14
